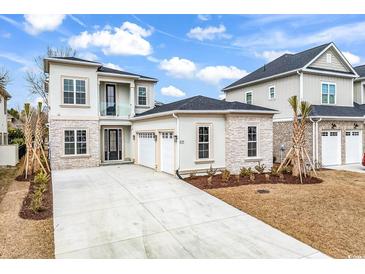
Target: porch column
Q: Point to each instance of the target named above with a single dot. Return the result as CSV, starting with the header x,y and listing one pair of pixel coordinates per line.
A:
x,y
131,100
99,99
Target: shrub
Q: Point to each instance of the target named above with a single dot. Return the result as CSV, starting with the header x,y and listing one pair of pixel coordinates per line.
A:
x,y
36,202
287,170
245,171
41,178
212,171
226,174
260,168
274,171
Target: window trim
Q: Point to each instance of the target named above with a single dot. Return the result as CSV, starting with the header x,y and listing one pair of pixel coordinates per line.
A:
x,y
210,140
147,100
328,83
75,155
246,92
73,78
270,87
258,147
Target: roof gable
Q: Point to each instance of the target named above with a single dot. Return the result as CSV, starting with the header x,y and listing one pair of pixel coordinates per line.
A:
x,y
337,63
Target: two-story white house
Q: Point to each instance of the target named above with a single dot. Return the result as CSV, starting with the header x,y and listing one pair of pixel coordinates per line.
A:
x,y
323,77
4,97
99,115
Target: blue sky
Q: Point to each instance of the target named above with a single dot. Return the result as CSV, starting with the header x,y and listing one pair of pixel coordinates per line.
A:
x,y
189,54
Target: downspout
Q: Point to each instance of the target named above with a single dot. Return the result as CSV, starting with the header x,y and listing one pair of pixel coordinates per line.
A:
x,y
178,143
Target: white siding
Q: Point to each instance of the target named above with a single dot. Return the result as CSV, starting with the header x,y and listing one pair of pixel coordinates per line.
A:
x,y
150,96
312,89
284,88
3,115
336,62
187,135
358,89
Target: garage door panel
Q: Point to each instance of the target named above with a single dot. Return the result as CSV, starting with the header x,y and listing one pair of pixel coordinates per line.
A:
x,y
167,152
353,142
331,148
146,149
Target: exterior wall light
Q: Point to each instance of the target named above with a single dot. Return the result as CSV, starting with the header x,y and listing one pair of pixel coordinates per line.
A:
x,y
333,126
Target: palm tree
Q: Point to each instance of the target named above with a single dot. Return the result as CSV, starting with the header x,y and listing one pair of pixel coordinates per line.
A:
x,y
297,154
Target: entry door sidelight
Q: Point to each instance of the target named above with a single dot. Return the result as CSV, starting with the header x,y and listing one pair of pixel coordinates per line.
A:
x,y
110,100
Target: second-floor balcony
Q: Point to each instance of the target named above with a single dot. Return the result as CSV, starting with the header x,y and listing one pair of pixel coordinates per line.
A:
x,y
111,109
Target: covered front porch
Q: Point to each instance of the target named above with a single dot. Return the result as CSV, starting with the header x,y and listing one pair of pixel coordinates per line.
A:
x,y
115,143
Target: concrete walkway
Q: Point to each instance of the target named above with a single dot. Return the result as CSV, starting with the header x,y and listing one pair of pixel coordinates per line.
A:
x,y
129,211
354,168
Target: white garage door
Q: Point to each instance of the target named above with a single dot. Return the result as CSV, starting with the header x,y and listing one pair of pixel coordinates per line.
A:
x,y
353,142
146,149
331,148
167,152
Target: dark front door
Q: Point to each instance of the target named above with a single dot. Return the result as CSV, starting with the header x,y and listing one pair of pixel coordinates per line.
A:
x,y
113,144
110,100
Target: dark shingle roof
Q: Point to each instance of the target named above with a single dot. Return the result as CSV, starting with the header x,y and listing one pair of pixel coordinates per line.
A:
x,y
325,110
4,93
360,70
116,71
75,59
199,103
105,69
284,63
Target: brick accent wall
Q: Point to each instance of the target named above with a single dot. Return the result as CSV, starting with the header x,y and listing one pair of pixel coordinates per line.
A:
x,y
236,141
283,132
342,126
56,144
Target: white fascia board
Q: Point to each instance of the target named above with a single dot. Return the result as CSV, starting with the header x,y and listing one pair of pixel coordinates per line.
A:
x,y
125,76
263,79
64,61
232,111
346,118
326,72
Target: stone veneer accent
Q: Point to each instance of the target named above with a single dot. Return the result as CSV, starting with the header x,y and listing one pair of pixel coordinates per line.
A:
x,y
236,141
58,159
283,132
342,126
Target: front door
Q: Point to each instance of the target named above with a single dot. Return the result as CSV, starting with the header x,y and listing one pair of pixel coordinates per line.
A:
x,y
110,100
113,144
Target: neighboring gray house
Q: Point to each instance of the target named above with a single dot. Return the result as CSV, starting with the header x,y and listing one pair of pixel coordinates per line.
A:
x,y
323,77
99,115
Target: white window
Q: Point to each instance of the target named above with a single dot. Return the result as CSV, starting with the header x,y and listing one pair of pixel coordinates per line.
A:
x,y
329,58
74,91
252,141
272,94
142,96
328,93
75,142
248,97
203,137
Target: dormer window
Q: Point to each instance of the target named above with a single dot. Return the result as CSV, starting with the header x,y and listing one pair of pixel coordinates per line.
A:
x,y
329,58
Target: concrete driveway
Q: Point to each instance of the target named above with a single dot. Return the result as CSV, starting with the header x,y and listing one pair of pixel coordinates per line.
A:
x,y
354,168
129,211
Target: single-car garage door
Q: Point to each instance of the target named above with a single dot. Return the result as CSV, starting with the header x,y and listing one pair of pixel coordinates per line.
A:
x,y
331,148
167,152
353,141
146,149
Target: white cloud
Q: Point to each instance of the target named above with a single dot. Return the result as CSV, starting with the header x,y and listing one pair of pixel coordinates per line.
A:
x,y
203,17
178,67
113,66
37,23
88,56
352,58
128,39
172,91
270,55
208,33
153,59
214,74
222,96
77,20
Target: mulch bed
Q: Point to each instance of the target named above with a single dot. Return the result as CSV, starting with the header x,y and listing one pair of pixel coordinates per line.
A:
x,y
47,204
235,180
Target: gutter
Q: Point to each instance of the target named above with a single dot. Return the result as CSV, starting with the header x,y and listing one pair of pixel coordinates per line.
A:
x,y
178,143
125,76
230,111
